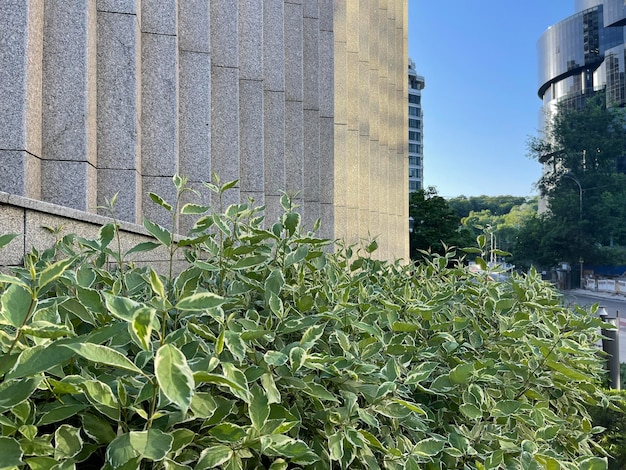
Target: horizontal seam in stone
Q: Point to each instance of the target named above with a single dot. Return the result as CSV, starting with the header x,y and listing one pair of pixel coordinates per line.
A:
x,y
194,51
159,34
116,12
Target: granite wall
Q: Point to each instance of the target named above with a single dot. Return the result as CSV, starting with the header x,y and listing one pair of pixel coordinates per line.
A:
x,y
99,97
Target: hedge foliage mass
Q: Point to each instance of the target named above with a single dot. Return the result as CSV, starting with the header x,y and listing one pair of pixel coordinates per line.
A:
x,y
270,350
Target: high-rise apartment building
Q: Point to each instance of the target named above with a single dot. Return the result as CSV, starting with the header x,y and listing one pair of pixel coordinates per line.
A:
x,y
109,97
416,127
583,54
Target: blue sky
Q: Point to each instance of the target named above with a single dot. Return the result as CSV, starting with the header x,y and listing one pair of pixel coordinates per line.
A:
x,y
480,103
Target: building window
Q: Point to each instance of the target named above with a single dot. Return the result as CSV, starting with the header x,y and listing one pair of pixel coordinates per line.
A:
x,y
413,111
415,173
414,185
414,148
414,123
413,160
415,135
415,99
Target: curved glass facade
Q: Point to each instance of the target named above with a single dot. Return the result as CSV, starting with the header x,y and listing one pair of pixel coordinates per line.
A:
x,y
584,53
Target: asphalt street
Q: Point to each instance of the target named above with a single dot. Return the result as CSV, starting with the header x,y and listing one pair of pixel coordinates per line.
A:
x,y
615,306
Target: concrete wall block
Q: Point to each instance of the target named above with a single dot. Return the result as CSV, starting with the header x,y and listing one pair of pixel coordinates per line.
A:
x,y
326,74
327,226
274,142
21,37
127,185
353,91
224,30
326,14
69,184
118,88
225,123
311,64
159,16
251,129
193,20
294,32
69,81
294,148
251,39
374,100
311,161
311,9
12,221
365,164
311,213
339,20
273,45
327,161
20,173
159,105
130,7
352,25
364,100
195,115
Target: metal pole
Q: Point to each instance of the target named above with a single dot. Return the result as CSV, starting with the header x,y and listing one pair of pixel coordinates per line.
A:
x,y
610,345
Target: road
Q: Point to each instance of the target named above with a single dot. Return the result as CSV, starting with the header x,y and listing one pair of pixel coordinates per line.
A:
x,y
615,306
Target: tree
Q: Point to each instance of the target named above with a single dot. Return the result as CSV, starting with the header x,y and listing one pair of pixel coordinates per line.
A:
x,y
497,205
583,183
435,224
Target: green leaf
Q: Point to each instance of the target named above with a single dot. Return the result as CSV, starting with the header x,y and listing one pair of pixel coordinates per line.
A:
x,y
44,329
291,221
102,398
68,442
592,463
200,301
235,344
152,444
10,453
104,355
297,358
258,409
249,262
142,325
214,456
60,413
400,327
16,305
106,234
38,359
471,411
6,239
41,463
194,209
160,201
54,271
461,373
285,446
174,376
14,392
158,232
276,305
142,247
567,371
121,307
273,395
506,408
238,377
156,284
428,447
228,432
98,429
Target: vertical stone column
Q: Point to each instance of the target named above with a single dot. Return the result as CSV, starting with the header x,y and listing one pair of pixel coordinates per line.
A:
x,y
364,118
159,104
327,105
194,100
311,105
119,107
273,105
294,112
224,28
68,167
21,49
251,124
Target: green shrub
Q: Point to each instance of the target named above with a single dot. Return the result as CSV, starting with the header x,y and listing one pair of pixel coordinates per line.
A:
x,y
613,420
269,352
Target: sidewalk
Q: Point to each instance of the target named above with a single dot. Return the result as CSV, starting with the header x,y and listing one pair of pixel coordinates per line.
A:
x,y
601,296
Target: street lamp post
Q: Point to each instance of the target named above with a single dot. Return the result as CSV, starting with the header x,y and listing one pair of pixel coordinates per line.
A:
x,y
580,220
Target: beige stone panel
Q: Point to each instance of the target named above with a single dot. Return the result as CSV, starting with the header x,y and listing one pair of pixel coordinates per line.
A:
x,y
353,161
365,164
340,20
373,36
364,98
341,83
341,223
374,100
364,30
383,48
12,221
341,165
352,39
327,227
354,236
383,110
364,223
353,91
374,173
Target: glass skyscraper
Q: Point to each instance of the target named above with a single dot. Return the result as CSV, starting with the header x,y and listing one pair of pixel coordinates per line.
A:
x,y
583,54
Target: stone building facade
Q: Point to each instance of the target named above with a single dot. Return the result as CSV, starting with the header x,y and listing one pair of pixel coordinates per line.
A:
x,y
99,97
